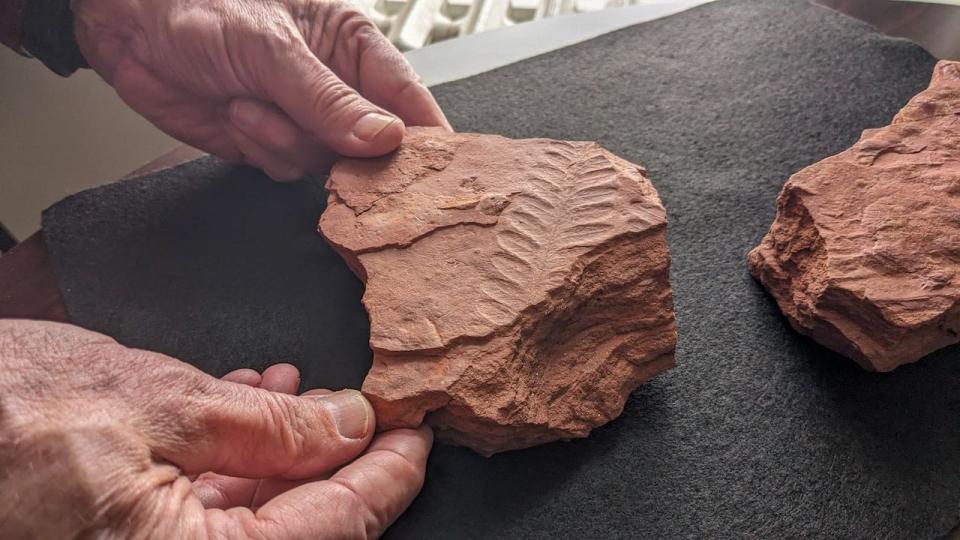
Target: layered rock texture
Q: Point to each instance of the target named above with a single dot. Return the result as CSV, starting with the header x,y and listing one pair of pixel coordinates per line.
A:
x,y
864,254
518,290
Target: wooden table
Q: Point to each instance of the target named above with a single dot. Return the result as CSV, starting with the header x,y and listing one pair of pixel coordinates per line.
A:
x,y
28,286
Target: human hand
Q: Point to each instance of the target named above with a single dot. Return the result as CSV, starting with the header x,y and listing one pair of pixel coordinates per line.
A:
x,y
282,85
100,440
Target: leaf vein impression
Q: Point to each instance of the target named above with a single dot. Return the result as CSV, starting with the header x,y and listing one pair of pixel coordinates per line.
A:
x,y
567,209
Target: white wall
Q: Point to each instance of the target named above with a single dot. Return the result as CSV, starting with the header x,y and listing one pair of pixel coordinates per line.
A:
x,y
58,136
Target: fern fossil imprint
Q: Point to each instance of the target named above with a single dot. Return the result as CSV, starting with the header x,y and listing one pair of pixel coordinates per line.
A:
x,y
567,210
518,290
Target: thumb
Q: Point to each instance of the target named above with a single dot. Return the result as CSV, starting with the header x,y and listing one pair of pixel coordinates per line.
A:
x,y
236,430
329,109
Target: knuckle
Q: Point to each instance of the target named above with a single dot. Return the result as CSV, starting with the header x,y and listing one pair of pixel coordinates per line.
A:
x,y
410,86
356,517
330,26
332,99
355,25
357,35
292,429
341,18
275,38
165,393
404,468
192,22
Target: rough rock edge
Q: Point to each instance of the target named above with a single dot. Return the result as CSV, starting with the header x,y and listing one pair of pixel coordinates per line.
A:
x,y
792,260
450,417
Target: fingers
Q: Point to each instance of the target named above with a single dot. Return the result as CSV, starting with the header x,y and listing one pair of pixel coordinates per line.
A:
x,y
283,378
178,113
248,377
361,500
262,158
416,106
260,434
328,109
219,491
389,80
321,112
284,151
271,487
254,433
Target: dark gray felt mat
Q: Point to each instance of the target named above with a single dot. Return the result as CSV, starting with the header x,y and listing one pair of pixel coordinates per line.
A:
x,y
757,433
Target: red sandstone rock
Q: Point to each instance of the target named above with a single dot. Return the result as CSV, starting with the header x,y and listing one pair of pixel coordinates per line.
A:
x,y
864,254
518,290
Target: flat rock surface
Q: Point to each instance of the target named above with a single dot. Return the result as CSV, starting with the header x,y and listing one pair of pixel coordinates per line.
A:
x,y
518,290
864,254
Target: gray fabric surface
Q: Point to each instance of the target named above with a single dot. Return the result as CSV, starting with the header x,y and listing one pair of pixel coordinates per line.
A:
x,y
757,433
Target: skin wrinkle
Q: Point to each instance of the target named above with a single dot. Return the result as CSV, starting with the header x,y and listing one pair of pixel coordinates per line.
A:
x,y
276,38
333,98
151,498
225,44
322,44
181,64
137,421
112,481
293,439
357,29
355,505
350,59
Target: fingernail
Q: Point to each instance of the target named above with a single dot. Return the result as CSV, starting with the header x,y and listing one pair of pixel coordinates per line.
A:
x,y
369,126
245,114
350,410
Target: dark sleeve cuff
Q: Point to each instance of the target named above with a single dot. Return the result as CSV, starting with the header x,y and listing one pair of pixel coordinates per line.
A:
x,y
47,34
11,15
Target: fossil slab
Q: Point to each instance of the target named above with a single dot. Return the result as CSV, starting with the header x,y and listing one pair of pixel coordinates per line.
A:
x,y
518,290
864,254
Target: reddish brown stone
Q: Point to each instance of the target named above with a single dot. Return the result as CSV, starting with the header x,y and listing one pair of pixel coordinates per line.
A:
x,y
518,290
864,254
